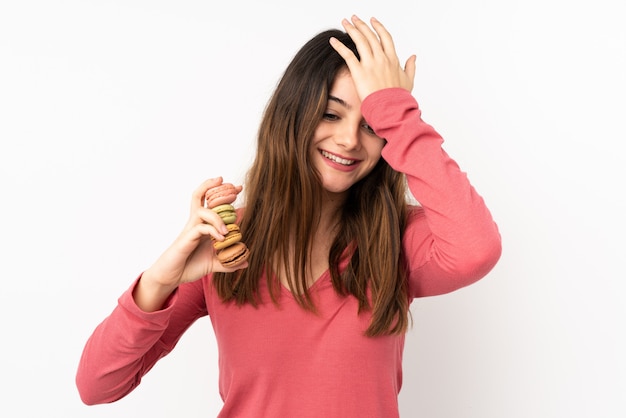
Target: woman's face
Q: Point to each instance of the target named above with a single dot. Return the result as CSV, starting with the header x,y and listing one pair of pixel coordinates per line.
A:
x,y
344,148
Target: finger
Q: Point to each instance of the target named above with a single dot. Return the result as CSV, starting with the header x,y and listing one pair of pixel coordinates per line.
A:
x,y
386,41
345,52
211,217
235,268
197,198
191,238
207,229
203,216
359,39
409,68
368,34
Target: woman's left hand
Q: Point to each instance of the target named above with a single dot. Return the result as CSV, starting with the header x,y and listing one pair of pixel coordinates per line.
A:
x,y
379,67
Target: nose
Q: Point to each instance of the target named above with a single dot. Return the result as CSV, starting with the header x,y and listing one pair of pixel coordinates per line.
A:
x,y
348,138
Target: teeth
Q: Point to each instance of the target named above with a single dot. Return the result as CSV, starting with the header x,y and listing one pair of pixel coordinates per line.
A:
x,y
336,159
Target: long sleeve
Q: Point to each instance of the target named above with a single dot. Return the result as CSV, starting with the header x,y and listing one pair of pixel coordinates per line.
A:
x,y
451,240
127,344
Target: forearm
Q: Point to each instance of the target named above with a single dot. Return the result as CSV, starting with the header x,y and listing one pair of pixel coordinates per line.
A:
x,y
120,351
455,234
149,295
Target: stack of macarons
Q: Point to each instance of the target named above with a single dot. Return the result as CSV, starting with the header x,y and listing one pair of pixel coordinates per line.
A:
x,y
231,251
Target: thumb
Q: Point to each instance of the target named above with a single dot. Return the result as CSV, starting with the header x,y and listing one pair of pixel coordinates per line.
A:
x,y
409,69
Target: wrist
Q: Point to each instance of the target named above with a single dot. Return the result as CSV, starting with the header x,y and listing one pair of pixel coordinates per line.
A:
x,y
149,294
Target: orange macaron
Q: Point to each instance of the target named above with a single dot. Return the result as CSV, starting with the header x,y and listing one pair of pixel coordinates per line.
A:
x,y
232,236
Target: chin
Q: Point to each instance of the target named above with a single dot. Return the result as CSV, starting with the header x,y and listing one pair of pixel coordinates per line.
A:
x,y
334,188
335,191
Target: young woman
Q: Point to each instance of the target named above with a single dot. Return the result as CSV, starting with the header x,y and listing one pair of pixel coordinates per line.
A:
x,y
313,324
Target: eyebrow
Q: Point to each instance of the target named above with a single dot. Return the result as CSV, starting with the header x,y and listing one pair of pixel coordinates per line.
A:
x,y
340,101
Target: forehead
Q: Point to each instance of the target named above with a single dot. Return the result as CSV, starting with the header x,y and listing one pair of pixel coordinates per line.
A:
x,y
343,89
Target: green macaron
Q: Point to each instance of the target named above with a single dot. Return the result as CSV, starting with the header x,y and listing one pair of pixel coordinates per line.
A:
x,y
227,213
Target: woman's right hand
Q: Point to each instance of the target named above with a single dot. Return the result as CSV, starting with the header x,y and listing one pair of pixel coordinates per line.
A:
x,y
190,257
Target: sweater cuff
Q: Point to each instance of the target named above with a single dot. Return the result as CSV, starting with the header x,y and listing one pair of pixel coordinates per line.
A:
x,y
376,105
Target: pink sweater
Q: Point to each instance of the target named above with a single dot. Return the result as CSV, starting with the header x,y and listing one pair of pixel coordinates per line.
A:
x,y
286,362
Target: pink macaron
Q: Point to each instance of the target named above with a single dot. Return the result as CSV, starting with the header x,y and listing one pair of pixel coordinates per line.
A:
x,y
225,193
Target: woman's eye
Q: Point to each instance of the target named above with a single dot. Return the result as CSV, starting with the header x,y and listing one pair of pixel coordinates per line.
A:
x,y
330,116
368,128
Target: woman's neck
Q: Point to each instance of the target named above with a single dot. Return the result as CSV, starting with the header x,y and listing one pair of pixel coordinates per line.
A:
x,y
323,236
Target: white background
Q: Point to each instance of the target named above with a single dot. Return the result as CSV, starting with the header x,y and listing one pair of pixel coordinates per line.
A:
x,y
112,112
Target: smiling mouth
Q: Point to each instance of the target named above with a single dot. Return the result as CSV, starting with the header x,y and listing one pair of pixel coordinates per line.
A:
x,y
336,159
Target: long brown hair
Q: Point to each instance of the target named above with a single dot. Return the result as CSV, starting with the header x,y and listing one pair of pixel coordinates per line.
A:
x,y
283,195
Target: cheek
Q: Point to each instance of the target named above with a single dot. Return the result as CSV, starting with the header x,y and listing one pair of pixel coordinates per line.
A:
x,y
375,147
318,135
